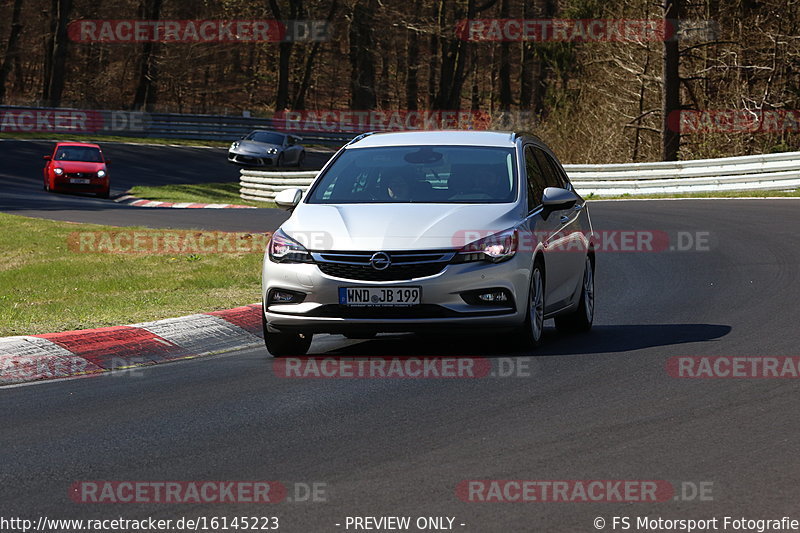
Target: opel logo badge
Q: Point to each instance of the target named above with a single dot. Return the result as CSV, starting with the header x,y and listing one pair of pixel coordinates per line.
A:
x,y
380,261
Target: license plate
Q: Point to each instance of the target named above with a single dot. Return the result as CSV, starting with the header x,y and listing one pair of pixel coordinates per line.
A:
x,y
83,181
380,296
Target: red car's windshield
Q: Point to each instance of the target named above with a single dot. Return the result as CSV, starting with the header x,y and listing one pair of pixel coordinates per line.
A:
x,y
79,153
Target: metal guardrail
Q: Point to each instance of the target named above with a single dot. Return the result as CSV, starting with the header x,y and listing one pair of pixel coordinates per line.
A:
x,y
754,172
262,186
146,125
757,172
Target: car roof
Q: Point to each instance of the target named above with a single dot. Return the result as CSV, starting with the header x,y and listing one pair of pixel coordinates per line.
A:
x,y
84,145
439,138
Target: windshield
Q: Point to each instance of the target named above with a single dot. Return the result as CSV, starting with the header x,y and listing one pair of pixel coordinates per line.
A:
x,y
418,174
79,153
265,137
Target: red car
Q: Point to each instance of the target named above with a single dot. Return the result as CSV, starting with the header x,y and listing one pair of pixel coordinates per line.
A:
x,y
78,167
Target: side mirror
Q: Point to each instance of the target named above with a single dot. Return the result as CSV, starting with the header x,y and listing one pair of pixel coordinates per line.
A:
x,y
288,198
555,198
108,161
47,157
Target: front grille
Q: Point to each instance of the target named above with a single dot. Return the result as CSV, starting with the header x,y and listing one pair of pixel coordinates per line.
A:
x,y
405,265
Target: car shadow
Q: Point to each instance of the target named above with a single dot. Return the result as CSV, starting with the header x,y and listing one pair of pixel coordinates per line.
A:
x,y
602,339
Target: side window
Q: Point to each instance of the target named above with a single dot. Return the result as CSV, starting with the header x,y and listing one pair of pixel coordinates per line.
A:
x,y
536,179
552,174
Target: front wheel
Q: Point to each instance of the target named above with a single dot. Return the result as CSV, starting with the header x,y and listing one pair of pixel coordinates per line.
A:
x,y
287,344
581,319
301,158
279,162
533,328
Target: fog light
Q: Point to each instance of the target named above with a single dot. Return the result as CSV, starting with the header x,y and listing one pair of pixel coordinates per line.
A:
x,y
283,296
496,296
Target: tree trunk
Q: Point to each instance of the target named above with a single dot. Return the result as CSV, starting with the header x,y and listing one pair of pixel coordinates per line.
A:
x,y
11,48
412,82
147,67
505,64
300,99
55,64
284,54
670,98
362,56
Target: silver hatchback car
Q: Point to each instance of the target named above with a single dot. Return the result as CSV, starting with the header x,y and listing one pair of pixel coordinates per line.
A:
x,y
415,231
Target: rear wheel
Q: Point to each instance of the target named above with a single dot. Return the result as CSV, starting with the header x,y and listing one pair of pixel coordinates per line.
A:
x,y
581,319
533,328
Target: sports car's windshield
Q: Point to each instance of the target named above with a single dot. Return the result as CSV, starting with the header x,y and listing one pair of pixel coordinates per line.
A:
x,y
265,137
419,174
79,153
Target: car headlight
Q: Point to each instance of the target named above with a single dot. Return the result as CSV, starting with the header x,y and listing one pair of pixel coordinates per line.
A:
x,y
494,248
283,249
272,151
58,171
101,173
234,145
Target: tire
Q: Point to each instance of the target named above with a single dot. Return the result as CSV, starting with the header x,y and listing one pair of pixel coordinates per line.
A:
x,y
46,186
581,319
279,162
105,194
285,344
533,328
301,158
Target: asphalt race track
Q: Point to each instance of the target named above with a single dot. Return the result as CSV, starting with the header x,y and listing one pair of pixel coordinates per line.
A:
x,y
596,406
21,186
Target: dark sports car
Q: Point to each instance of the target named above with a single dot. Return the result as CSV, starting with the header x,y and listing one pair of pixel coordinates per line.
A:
x,y
263,148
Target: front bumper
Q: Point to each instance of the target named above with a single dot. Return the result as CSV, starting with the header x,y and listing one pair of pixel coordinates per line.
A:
x,y
95,185
442,305
258,160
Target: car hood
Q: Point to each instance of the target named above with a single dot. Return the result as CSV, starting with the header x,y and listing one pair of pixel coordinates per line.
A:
x,y
78,166
255,147
376,227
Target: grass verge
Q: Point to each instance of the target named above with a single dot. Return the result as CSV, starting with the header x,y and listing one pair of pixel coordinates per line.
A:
x,y
204,193
48,285
718,194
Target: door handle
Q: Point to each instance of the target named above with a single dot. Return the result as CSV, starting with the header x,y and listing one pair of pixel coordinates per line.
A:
x,y
564,219
578,207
